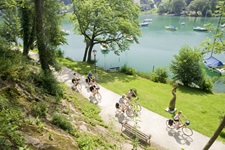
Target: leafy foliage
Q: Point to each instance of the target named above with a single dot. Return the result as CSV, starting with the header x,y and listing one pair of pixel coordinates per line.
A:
x,y
49,84
187,68
159,75
62,122
128,70
11,120
106,22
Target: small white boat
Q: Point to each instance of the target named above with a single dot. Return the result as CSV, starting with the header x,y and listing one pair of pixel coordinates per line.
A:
x,y
200,29
182,23
222,25
171,28
143,24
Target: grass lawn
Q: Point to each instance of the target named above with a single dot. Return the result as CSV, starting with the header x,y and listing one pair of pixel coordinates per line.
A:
x,y
202,109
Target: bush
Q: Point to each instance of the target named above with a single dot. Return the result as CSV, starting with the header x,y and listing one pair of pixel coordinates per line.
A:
x,y
62,122
11,119
128,70
49,84
207,84
39,109
159,75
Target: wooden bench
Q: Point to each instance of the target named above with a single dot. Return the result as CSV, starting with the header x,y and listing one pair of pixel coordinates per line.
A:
x,y
114,69
130,130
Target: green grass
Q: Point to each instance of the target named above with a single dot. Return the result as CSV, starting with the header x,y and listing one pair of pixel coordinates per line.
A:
x,y
202,109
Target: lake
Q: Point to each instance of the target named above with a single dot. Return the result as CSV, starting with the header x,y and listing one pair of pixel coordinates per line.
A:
x,y
157,46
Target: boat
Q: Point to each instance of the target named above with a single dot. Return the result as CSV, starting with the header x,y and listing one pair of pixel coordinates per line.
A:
x,y
182,23
222,25
66,32
214,64
147,20
171,28
198,28
143,24
104,46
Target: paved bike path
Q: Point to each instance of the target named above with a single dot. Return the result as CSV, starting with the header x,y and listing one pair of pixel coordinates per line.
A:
x,y
150,122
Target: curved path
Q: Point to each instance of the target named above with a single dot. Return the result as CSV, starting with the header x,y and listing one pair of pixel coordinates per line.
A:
x,y
150,122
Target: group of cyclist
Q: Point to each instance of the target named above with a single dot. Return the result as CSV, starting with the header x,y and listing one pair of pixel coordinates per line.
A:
x,y
90,83
124,101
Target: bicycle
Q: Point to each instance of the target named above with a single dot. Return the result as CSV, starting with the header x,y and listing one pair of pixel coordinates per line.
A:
x,y
97,97
170,123
77,86
133,109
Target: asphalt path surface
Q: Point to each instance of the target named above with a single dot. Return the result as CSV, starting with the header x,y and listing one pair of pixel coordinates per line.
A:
x,y
149,123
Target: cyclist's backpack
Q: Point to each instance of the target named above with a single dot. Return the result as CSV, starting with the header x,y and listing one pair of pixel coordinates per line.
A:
x,y
170,122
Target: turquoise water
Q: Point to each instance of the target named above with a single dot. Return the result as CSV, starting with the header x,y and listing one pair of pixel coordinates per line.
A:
x,y
157,46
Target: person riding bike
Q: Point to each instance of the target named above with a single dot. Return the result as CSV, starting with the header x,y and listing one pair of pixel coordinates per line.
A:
x,y
130,94
177,119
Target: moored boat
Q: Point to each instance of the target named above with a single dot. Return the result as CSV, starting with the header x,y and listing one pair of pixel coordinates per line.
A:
x,y
143,24
198,28
171,28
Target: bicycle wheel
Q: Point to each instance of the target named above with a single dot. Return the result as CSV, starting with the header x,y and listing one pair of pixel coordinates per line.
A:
x,y
130,112
187,131
98,97
79,87
137,107
169,125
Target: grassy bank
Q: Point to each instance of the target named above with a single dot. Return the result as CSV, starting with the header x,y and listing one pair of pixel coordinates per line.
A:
x,y
202,109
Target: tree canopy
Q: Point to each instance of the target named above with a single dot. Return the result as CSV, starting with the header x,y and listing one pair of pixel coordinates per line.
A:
x,y
106,22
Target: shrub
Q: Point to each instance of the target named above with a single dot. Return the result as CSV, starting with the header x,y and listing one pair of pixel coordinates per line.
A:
x,y
11,120
159,75
60,53
49,84
63,123
207,84
39,109
128,70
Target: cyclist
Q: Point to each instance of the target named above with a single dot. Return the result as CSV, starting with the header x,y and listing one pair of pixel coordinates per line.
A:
x,y
123,100
89,78
177,119
120,107
75,79
130,94
94,89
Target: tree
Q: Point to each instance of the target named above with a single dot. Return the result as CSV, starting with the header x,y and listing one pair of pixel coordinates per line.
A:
x,y
187,68
178,6
106,22
199,5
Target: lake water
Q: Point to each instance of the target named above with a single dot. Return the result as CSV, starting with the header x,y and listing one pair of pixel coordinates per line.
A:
x,y
157,46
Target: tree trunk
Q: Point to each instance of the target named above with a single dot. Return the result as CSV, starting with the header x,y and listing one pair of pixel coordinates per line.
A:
x,y
26,28
40,35
173,100
86,50
215,135
89,52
